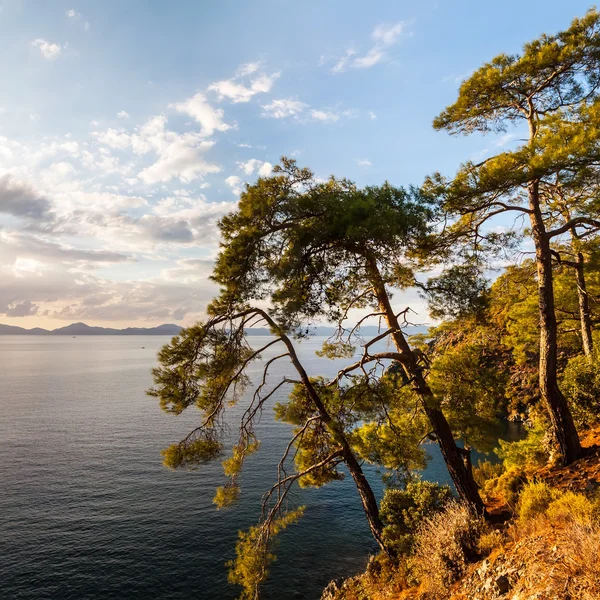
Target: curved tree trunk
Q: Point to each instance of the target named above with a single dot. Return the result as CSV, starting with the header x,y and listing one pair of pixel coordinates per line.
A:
x,y
563,427
367,497
452,454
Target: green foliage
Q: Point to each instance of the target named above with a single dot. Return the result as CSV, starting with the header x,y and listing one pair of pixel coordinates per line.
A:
x,y
576,507
403,511
233,465
551,72
472,392
540,499
336,349
191,453
581,386
197,368
226,495
526,454
486,471
508,486
306,245
458,292
254,554
468,373
535,499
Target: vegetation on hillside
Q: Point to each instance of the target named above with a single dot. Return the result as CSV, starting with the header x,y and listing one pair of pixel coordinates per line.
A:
x,y
298,251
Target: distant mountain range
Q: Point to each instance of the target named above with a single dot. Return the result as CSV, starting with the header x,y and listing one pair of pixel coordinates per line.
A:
x,y
83,329
171,329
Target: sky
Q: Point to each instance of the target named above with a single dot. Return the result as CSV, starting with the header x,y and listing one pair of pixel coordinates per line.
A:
x,y
128,129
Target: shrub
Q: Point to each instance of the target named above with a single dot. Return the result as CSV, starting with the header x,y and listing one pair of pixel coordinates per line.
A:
x,y
490,541
581,386
508,486
445,544
569,505
535,499
486,471
404,510
527,454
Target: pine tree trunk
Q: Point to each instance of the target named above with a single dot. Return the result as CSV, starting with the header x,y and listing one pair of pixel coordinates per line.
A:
x,y
584,307
452,454
367,498
563,427
365,491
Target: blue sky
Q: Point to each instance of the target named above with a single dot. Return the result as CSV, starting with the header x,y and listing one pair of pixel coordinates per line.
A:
x,y
128,127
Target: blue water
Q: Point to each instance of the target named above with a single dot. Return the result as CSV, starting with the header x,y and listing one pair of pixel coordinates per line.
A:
x,y
87,511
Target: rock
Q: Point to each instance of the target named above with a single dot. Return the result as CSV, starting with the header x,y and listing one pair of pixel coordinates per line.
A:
x,y
503,584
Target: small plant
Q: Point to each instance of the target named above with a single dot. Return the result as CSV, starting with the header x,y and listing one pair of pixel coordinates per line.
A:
x,y
445,545
403,511
535,499
508,486
576,507
490,541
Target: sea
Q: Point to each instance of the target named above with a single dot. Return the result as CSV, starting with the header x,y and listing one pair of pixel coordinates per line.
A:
x,y
88,511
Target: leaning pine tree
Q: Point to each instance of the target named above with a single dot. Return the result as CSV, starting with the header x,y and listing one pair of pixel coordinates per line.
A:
x,y
318,250
553,88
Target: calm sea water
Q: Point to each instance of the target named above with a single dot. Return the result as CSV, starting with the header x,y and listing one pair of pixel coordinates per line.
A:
x,y
87,511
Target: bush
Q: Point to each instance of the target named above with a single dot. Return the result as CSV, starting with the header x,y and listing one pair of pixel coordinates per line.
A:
x,y
486,471
403,511
445,545
507,486
490,541
572,506
581,386
535,499
527,454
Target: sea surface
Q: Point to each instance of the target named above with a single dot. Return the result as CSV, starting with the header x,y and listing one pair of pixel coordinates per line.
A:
x,y
87,511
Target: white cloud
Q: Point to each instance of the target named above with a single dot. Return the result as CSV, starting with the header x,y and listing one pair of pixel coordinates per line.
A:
x,y
235,183
48,50
263,168
372,115
266,169
364,162
249,68
209,118
113,138
180,160
387,35
280,109
291,108
238,92
384,36
324,116
372,57
180,156
122,115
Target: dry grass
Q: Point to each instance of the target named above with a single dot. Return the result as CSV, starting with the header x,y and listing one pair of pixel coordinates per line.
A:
x,y
446,544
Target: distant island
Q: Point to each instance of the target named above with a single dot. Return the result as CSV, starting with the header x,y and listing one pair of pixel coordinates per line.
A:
x,y
83,329
169,329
